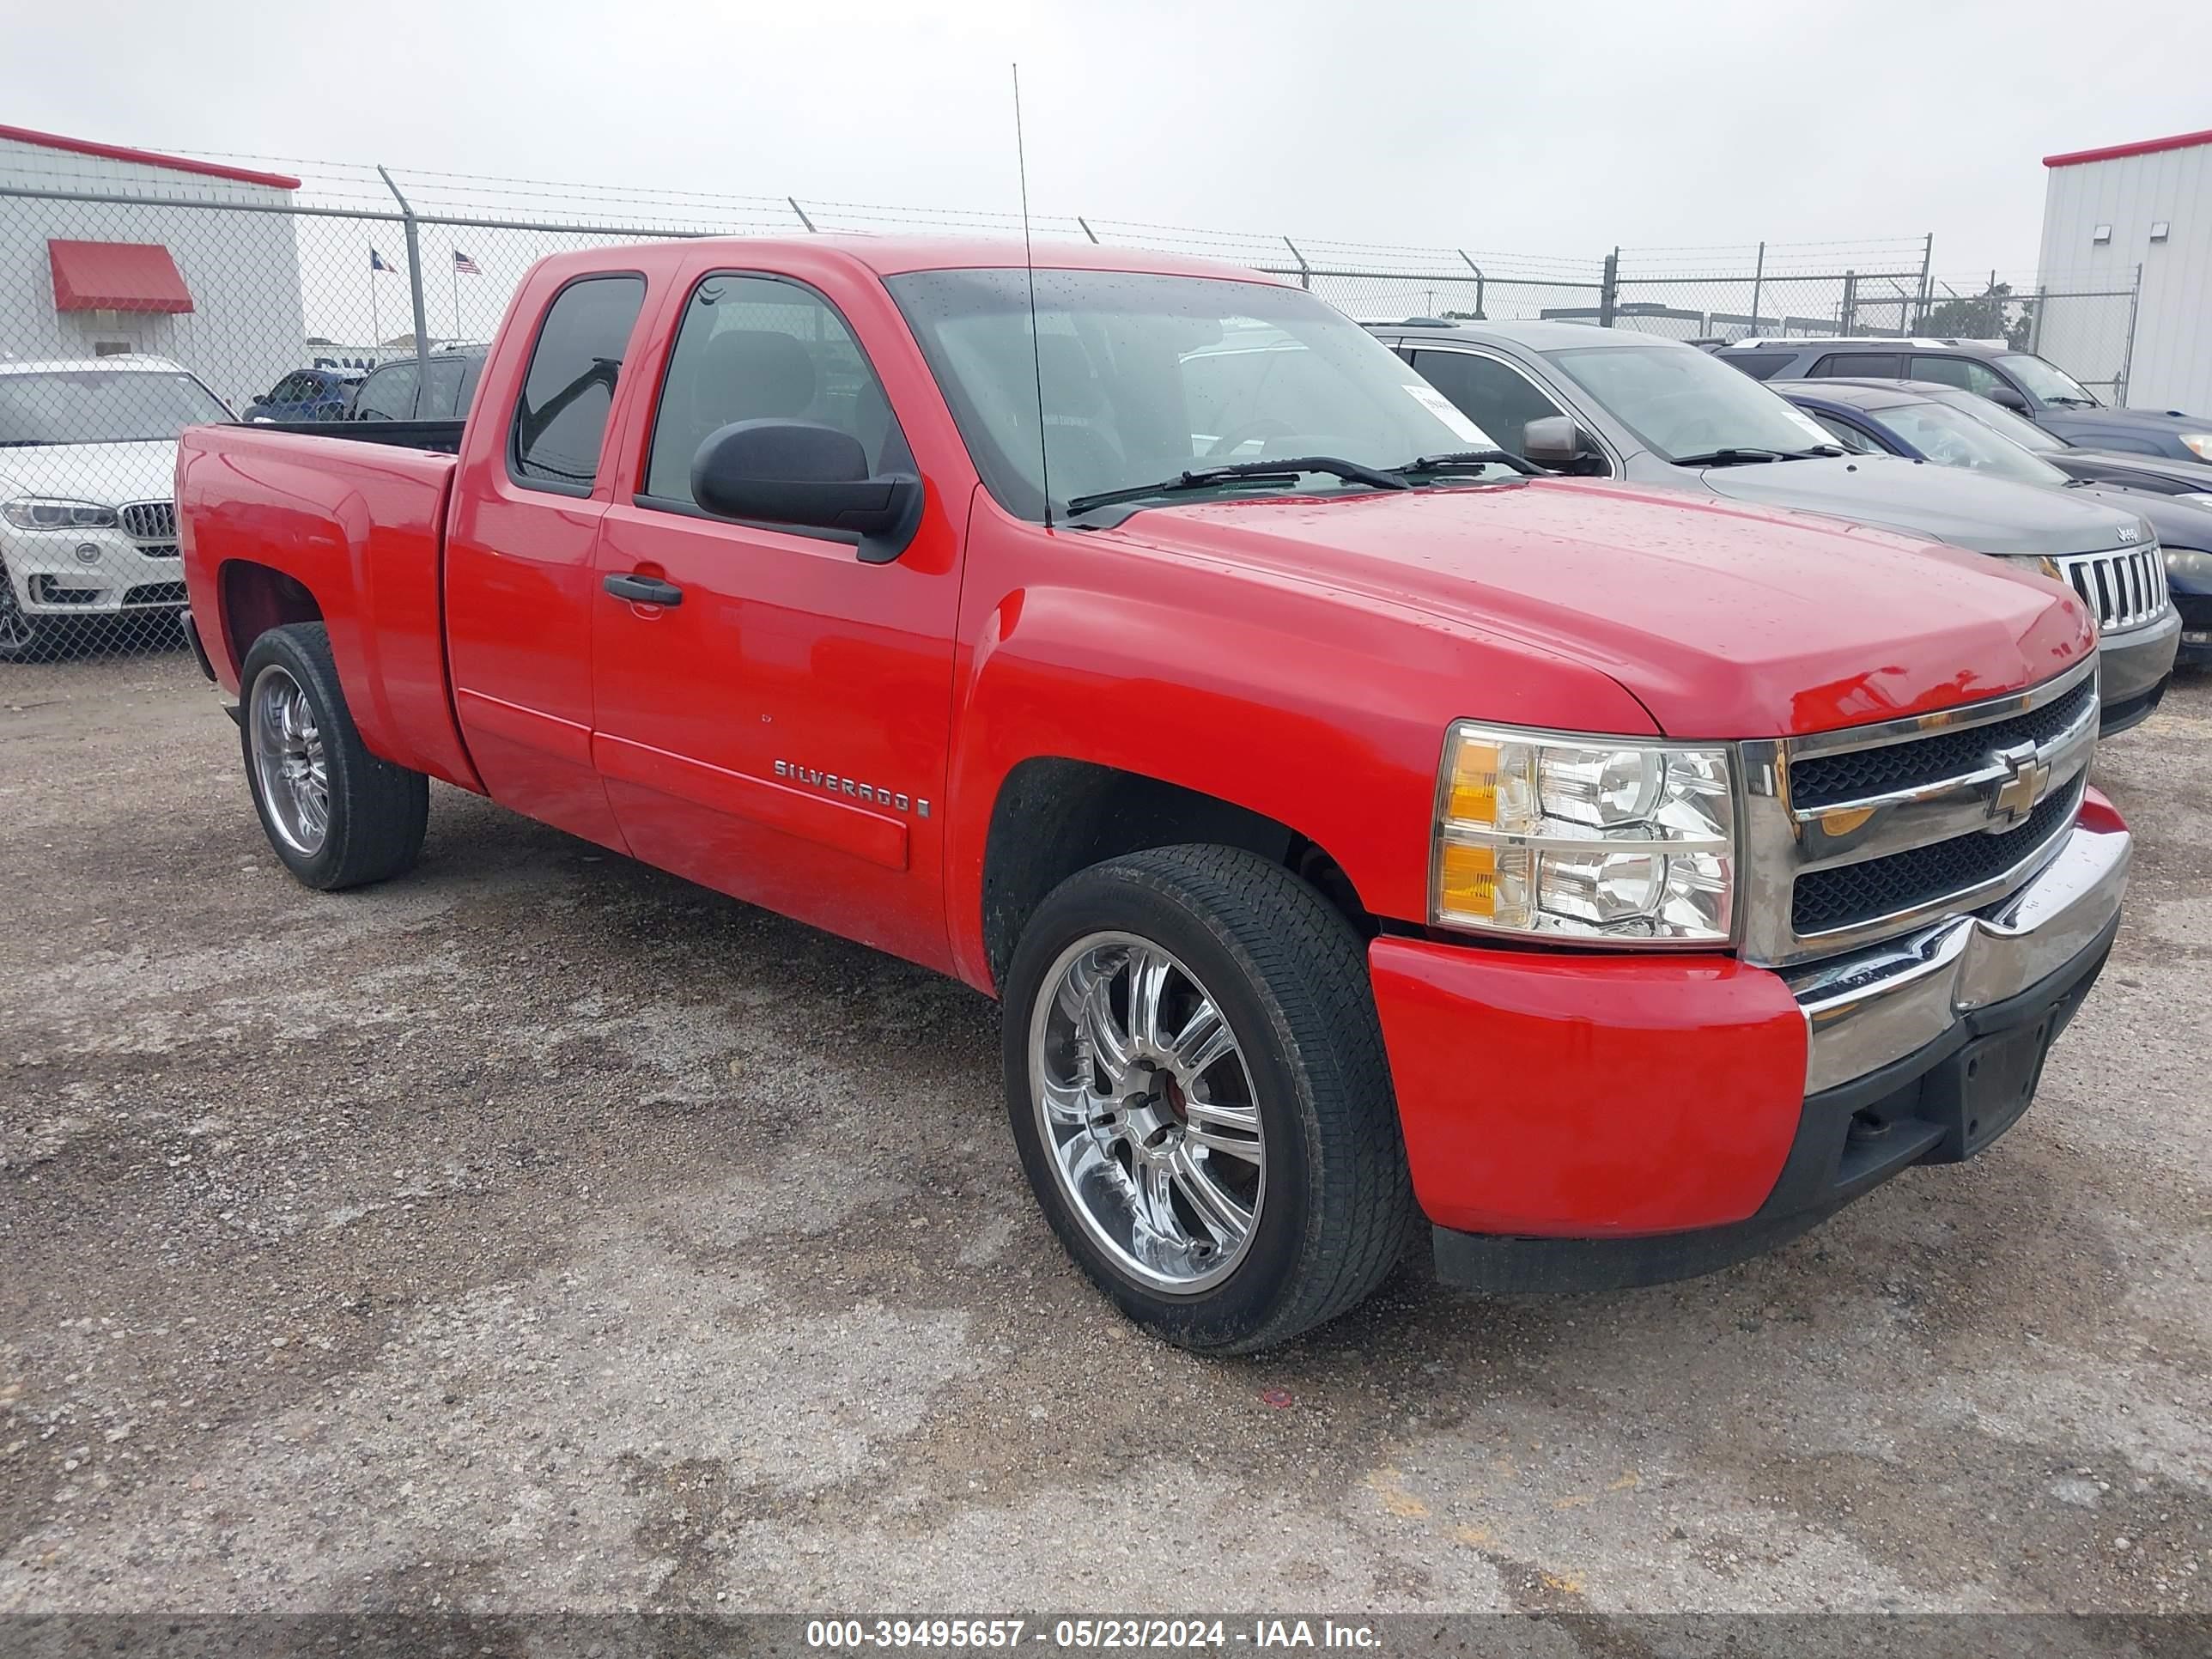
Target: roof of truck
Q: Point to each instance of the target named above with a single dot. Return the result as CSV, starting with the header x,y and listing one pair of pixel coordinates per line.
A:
x,y
891,256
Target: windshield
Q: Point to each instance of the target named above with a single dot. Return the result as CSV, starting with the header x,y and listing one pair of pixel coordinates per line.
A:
x,y
1680,401
2018,427
1951,437
1144,377
102,406
2050,383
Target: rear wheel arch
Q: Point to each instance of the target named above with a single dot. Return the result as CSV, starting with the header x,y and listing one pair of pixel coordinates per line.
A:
x,y
1054,816
256,597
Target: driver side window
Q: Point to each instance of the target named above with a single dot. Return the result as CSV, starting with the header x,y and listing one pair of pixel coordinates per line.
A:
x,y
387,395
1498,399
758,348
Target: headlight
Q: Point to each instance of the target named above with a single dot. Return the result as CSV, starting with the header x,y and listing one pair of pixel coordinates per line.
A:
x,y
2200,444
46,513
2190,565
1586,838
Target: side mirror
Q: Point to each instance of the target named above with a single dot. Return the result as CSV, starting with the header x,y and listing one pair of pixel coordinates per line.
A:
x,y
2005,397
1554,441
803,473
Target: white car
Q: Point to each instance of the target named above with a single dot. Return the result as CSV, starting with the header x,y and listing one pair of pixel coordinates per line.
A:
x,y
88,512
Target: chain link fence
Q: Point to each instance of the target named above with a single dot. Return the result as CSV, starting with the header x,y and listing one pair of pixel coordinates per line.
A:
x,y
134,302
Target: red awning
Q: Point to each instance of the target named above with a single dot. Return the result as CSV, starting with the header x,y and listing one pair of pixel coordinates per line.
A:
x,y
116,277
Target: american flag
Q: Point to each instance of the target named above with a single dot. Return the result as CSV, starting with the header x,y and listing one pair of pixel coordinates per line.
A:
x,y
377,262
465,265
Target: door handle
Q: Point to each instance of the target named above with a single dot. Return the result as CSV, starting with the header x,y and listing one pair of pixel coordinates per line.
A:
x,y
644,590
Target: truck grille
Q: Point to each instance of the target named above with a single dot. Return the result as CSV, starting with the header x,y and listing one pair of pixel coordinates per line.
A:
x,y
1859,834
1828,899
2123,590
1824,780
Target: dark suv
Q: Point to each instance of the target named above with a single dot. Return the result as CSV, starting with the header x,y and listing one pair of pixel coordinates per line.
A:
x,y
2018,380
393,391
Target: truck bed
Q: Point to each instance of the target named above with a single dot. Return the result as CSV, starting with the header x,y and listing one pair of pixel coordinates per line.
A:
x,y
292,522
442,437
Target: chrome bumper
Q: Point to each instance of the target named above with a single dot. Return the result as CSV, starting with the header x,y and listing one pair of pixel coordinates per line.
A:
x,y
1877,1005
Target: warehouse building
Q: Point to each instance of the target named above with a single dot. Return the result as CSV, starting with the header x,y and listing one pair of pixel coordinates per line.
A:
x,y
2110,213
218,291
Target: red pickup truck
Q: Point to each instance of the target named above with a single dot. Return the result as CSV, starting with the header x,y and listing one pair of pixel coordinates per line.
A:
x,y
1355,829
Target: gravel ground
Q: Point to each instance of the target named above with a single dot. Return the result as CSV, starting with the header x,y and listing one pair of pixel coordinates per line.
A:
x,y
539,1232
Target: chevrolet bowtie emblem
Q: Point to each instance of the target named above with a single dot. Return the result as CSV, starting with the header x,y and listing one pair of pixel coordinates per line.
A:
x,y
2027,780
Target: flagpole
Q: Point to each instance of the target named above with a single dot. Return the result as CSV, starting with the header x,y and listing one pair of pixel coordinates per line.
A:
x,y
375,328
457,295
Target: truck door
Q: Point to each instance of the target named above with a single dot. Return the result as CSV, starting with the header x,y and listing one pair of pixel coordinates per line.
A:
x,y
772,713
521,594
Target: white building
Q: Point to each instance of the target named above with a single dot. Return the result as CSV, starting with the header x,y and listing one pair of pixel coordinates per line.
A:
x,y
2108,211
217,291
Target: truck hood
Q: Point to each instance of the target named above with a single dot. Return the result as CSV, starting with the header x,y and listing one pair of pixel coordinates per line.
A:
x,y
1723,622
109,474
1946,504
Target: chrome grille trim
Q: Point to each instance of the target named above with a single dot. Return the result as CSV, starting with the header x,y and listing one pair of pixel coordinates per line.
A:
x,y
1781,842
150,521
2123,589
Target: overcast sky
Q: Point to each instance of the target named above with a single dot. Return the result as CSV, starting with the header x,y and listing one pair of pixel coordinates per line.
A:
x,y
1536,128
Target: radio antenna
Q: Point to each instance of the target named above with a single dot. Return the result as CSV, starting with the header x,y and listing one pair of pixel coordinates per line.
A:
x,y
1029,265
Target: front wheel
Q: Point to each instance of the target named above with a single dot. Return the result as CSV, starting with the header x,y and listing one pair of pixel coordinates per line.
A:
x,y
23,638
336,815
1196,1082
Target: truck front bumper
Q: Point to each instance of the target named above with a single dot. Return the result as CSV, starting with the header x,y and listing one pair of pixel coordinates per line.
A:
x,y
1593,1122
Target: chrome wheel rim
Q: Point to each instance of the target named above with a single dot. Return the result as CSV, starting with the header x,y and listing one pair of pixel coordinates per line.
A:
x,y
289,760
1149,1117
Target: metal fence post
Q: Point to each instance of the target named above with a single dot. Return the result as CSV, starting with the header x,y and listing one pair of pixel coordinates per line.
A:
x,y
413,286
1477,270
1926,260
2035,319
801,212
1609,294
1305,270
1087,231
1848,317
2128,352
1758,281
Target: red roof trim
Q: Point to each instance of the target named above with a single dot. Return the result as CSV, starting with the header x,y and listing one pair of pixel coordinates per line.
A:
x,y
2142,147
147,158
117,276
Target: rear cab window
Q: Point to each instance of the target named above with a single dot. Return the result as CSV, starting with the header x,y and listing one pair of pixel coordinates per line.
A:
x,y
1863,365
560,418
1759,365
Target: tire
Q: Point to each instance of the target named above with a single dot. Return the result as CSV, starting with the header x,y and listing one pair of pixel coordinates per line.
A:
x,y
371,814
23,638
1324,1199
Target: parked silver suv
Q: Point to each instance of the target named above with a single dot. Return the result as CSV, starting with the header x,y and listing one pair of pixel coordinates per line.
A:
x,y
1611,403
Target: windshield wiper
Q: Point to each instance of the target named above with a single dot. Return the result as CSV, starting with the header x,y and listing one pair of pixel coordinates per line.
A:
x,y
1468,460
1745,457
2074,403
1291,468
1729,458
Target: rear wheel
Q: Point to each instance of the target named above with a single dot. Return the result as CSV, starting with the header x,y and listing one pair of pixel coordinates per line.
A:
x,y
336,815
1196,1082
